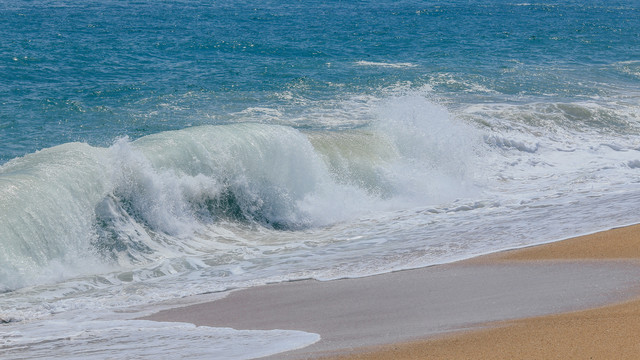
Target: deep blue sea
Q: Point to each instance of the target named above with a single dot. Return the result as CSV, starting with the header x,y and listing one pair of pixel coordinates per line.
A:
x,y
153,150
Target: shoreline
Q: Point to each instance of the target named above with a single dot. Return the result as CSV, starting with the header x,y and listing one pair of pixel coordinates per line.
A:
x,y
596,333
375,317
599,333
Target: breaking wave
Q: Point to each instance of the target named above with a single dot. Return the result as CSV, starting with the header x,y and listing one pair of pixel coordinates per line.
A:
x,y
76,209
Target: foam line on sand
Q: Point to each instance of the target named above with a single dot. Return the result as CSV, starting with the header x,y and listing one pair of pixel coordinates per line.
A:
x,y
371,316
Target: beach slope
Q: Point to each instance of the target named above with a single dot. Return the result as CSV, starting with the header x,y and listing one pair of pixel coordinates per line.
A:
x,y
602,333
386,316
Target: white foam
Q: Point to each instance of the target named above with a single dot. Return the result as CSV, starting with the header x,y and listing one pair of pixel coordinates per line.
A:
x,y
385,64
417,186
135,339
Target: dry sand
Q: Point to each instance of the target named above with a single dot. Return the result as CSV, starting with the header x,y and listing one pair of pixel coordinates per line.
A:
x,y
610,332
383,317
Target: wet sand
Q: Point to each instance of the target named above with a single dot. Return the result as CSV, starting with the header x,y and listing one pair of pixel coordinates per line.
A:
x,y
609,332
430,312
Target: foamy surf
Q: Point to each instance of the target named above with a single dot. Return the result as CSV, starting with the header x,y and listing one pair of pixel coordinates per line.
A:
x,y
385,64
155,151
145,339
144,201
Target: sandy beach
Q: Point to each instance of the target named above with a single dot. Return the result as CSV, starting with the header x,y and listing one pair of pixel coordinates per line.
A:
x,y
547,301
601,333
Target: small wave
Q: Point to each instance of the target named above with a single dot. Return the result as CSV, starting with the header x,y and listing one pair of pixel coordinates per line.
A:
x,y
145,339
615,147
631,67
385,65
460,84
77,210
505,143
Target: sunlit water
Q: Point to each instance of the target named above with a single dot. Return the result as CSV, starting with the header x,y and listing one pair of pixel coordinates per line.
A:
x,y
156,150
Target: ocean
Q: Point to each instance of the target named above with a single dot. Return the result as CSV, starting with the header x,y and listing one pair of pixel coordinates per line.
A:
x,y
155,150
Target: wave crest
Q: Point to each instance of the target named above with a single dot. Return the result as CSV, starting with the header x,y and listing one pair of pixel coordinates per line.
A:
x,y
159,197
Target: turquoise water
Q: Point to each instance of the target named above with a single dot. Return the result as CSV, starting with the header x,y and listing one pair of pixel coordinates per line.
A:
x,y
153,150
93,71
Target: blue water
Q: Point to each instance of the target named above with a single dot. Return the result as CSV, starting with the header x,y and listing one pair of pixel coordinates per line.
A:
x,y
151,150
92,71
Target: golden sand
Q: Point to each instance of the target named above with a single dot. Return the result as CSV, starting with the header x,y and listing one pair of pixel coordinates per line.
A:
x,y
610,332
620,243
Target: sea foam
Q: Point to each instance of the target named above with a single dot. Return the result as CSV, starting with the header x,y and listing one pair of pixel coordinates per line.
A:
x,y
142,201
